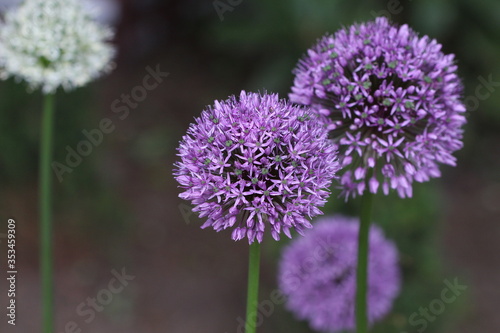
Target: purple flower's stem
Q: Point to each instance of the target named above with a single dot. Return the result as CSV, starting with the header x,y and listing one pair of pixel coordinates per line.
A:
x,y
253,287
362,271
45,201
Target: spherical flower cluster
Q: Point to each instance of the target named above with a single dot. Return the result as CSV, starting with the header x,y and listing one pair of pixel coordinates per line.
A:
x,y
256,162
317,273
392,103
52,43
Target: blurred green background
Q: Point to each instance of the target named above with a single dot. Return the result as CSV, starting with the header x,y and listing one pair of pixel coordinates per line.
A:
x,y
119,206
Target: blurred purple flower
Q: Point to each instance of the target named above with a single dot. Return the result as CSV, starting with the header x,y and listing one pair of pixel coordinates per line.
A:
x,y
391,100
256,161
318,274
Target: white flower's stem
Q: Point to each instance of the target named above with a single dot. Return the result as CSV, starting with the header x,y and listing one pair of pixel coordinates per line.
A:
x,y
45,201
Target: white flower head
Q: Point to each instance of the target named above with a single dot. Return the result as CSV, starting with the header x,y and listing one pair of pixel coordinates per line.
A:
x,y
52,43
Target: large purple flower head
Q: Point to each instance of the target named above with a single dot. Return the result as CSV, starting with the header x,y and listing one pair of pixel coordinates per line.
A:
x,y
392,100
256,161
317,273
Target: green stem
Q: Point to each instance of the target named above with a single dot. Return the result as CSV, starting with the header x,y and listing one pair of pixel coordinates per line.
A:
x,y
45,200
253,287
362,271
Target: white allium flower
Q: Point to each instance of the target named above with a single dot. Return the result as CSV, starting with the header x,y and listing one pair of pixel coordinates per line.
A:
x,y
52,43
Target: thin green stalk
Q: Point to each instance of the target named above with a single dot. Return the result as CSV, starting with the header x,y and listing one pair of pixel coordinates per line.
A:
x,y
45,201
253,287
362,271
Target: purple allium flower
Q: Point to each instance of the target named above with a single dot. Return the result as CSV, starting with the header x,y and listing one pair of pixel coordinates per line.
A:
x,y
256,161
392,101
317,273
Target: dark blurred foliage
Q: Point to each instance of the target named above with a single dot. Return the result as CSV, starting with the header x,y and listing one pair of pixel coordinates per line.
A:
x,y
120,206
